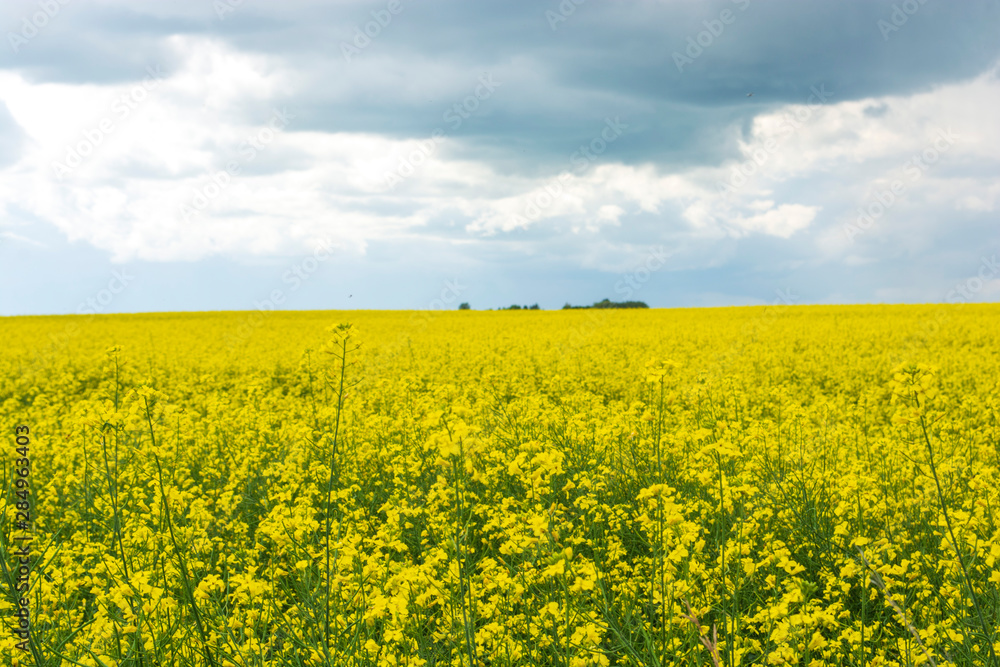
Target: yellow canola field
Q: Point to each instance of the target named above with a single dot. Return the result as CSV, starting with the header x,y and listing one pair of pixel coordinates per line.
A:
x,y
736,486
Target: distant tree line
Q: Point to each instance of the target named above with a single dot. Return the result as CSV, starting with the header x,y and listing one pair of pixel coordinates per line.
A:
x,y
606,303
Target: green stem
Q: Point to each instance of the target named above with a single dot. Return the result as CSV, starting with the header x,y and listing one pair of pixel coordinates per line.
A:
x,y
954,541
334,475
180,554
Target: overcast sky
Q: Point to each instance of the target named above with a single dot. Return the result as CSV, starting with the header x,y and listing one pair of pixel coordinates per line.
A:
x,y
241,154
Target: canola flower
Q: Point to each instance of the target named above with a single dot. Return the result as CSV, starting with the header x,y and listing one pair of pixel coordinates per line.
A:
x,y
672,487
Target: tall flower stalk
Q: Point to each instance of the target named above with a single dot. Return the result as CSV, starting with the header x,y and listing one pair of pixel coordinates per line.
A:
x,y
341,345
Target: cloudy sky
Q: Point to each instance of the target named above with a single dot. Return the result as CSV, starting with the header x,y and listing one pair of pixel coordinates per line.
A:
x,y
241,154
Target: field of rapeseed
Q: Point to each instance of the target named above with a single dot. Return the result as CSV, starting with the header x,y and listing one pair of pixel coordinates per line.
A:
x,y
778,486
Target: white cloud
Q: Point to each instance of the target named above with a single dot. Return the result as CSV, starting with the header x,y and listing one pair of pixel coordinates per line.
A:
x,y
782,221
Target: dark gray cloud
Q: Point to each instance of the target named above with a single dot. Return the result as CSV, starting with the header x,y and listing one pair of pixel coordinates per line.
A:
x,y
557,85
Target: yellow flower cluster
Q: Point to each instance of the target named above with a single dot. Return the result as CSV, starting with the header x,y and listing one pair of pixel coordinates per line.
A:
x,y
475,488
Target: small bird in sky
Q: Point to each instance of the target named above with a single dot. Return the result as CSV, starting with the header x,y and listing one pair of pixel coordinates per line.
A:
x,y
749,94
